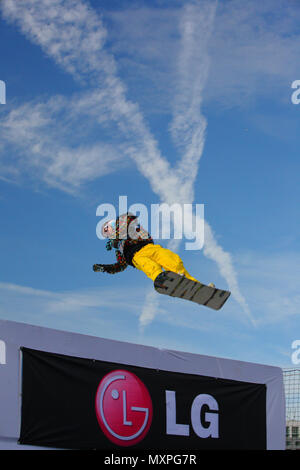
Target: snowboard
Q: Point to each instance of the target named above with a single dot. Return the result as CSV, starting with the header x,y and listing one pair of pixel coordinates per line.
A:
x,y
170,283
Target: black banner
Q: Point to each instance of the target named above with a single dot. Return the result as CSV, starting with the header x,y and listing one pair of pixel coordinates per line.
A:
x,y
75,403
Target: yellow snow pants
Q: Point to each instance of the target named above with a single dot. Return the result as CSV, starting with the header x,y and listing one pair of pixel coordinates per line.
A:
x,y
152,259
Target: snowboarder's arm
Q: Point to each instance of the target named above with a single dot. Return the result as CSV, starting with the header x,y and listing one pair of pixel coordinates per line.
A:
x,y
112,268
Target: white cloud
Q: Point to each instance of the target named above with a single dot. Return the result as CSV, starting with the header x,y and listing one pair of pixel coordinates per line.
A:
x,y
272,282
253,52
188,130
45,140
68,31
73,35
261,53
86,311
149,310
35,302
25,290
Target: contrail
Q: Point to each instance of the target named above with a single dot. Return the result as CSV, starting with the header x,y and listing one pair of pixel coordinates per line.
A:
x,y
73,35
188,131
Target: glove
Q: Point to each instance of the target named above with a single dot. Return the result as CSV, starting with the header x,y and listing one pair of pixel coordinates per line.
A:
x,y
99,268
109,245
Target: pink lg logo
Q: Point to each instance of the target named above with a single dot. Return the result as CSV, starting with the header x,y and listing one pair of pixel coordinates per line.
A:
x,y
123,408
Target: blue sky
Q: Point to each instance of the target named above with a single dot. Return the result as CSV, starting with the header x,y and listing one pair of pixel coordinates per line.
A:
x,y
174,101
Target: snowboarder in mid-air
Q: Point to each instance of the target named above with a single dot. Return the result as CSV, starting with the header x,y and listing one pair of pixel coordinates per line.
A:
x,y
135,247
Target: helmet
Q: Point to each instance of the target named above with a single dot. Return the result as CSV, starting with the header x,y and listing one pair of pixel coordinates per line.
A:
x,y
108,229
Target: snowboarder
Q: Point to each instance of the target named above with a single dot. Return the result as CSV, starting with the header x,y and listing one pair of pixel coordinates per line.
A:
x,y
135,247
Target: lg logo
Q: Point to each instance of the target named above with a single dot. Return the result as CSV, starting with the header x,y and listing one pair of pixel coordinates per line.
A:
x,y
204,424
124,411
123,408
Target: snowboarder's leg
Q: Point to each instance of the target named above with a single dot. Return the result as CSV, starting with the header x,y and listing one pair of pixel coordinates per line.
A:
x,y
153,257
146,264
171,261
